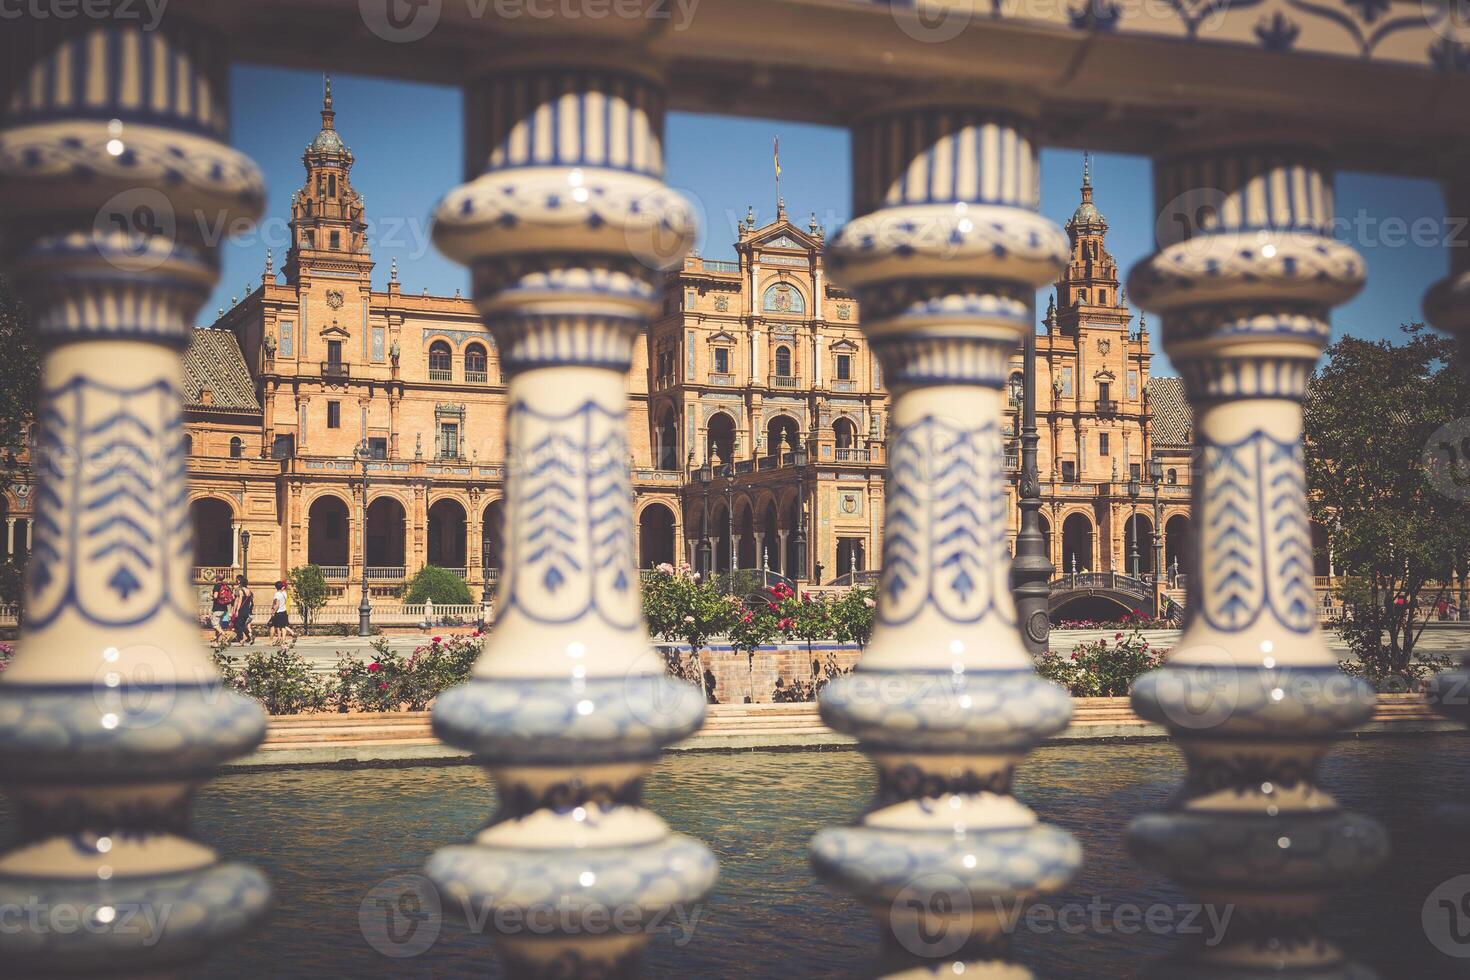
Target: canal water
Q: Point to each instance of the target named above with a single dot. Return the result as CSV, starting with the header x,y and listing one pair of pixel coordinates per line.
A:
x,y
329,838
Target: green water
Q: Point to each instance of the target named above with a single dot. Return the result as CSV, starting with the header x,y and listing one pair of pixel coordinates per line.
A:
x,y
327,837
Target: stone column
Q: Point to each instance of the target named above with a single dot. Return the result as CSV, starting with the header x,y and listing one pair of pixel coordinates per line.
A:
x,y
112,714
568,229
10,538
1251,692
945,261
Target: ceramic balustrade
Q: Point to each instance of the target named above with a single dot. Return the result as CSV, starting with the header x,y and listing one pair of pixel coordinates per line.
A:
x,y
945,259
567,230
1245,275
114,167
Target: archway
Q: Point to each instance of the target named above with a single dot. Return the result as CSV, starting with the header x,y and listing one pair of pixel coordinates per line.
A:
x,y
851,556
213,547
447,523
326,537
492,536
745,535
781,435
655,536
719,532
1097,608
1077,545
1321,551
1145,532
771,543
666,440
387,526
476,363
1178,549
845,433
1045,525
720,438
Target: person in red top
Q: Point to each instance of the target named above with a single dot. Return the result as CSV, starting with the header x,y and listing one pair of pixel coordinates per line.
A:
x,y
220,601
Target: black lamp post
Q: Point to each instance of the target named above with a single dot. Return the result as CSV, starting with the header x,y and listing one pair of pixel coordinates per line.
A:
x,y
245,554
364,608
799,572
1156,477
1031,568
702,555
730,518
1133,490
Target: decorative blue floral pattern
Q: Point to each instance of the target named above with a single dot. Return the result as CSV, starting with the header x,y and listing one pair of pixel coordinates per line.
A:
x,y
945,540
572,530
113,494
1257,556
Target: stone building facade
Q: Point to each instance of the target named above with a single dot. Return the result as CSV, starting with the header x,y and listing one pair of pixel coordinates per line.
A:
x,y
362,430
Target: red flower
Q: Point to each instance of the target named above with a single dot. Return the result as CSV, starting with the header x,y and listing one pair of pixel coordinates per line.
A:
x,y
436,639
785,623
1117,636
374,667
382,685
773,607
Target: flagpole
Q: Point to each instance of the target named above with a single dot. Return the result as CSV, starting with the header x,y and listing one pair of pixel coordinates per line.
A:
x,y
776,156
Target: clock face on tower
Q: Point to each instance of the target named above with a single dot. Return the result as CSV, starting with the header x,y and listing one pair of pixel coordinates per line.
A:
x,y
334,298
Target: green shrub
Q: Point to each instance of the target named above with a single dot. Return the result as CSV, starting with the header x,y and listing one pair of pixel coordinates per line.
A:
x,y
1100,669
437,585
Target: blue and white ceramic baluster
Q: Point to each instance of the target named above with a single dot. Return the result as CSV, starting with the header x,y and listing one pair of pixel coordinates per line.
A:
x,y
113,162
1245,281
945,260
568,229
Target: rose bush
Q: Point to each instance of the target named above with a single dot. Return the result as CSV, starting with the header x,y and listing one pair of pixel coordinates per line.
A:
x,y
1102,669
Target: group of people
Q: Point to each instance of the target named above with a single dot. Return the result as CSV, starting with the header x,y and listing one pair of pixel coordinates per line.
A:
x,y
233,607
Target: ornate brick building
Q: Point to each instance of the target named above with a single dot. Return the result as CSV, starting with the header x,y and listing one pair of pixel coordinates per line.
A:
x,y
755,391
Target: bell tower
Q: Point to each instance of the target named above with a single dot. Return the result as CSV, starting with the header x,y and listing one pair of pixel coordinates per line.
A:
x,y
1088,289
328,227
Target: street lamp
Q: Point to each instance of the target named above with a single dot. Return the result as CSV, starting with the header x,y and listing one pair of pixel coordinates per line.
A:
x,y
702,555
799,572
245,555
1133,490
1031,569
730,518
364,608
1156,477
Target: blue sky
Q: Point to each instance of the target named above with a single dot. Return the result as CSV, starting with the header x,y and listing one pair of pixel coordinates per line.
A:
x,y
407,141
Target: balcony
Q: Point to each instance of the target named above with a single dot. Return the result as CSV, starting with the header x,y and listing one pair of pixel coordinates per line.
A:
x,y
1106,406
335,573
853,455
336,369
385,573
477,376
441,374
783,381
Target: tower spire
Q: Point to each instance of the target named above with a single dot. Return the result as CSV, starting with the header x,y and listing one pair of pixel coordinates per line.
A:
x,y
1087,175
327,112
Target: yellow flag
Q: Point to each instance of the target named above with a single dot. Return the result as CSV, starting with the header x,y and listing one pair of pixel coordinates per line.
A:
x,y
776,153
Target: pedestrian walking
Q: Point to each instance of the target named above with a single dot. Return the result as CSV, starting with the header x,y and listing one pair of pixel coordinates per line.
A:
x,y
280,621
243,611
221,597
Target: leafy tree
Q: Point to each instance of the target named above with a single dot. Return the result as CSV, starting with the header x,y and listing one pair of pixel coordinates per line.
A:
x,y
20,379
802,616
1371,412
853,615
309,590
679,607
439,586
